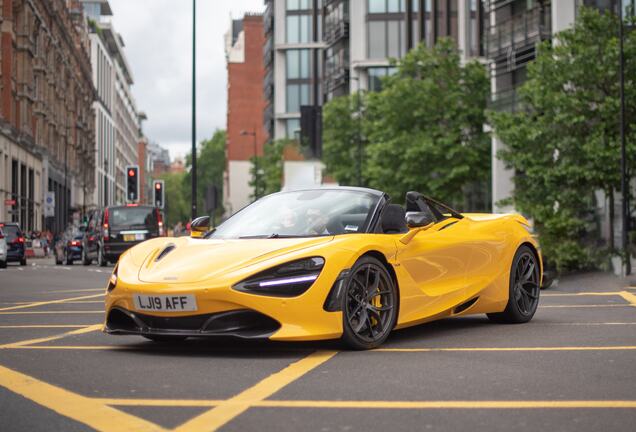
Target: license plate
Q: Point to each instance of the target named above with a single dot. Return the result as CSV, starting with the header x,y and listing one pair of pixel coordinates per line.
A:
x,y
165,303
134,237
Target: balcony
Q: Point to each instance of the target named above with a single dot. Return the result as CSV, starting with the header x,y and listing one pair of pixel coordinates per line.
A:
x,y
506,101
268,52
335,32
268,19
517,32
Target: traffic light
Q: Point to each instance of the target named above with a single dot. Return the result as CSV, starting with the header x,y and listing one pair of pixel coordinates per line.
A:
x,y
132,183
159,193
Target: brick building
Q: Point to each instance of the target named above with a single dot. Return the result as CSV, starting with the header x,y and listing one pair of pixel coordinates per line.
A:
x,y
246,134
46,118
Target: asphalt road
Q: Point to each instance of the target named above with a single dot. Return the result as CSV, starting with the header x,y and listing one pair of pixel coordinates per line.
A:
x,y
573,368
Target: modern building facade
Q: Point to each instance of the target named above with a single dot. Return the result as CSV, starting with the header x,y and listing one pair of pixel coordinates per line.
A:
x,y
316,50
47,126
117,121
246,134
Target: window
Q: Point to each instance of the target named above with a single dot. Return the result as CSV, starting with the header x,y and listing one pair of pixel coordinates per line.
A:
x,y
298,64
376,74
299,28
377,6
297,95
377,39
299,4
292,128
386,39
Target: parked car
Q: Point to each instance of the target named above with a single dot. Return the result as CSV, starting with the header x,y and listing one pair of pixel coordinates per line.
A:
x,y
69,247
15,242
3,250
111,231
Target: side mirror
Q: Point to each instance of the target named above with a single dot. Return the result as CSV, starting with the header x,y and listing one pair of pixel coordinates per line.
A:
x,y
200,226
418,219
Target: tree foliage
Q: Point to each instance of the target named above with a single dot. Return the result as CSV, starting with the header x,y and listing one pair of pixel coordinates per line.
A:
x,y
564,143
270,167
423,131
210,168
177,208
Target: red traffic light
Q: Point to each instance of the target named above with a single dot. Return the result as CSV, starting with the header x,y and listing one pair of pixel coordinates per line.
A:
x,y
131,173
157,186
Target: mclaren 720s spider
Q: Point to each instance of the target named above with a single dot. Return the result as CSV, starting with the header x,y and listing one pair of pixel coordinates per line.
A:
x,y
326,263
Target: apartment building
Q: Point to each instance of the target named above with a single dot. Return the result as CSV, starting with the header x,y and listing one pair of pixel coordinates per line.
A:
x,y
117,120
246,134
46,119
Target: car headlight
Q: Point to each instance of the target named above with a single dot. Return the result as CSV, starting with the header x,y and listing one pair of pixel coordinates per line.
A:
x,y
112,282
286,280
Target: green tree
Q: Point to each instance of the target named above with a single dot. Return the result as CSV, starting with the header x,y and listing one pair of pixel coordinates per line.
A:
x,y
270,167
177,208
210,168
564,143
423,131
343,129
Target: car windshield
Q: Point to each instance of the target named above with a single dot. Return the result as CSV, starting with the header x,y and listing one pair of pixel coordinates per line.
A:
x,y
309,213
12,232
132,216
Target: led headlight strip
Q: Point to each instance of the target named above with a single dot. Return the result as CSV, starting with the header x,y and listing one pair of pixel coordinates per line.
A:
x,y
286,280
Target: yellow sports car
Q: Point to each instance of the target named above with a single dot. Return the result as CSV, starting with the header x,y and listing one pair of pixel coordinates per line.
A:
x,y
326,263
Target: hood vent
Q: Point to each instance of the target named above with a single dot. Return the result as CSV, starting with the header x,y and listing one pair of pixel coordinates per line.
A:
x,y
169,248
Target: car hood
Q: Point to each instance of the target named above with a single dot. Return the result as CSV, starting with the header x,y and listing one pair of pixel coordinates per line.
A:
x,y
193,260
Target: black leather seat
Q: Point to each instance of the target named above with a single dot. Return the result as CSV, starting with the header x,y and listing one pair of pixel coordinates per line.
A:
x,y
393,219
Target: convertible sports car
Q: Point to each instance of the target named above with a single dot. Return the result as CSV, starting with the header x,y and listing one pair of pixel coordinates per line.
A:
x,y
327,263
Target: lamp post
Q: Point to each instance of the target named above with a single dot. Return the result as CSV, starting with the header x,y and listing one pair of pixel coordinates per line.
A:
x,y
624,179
253,135
194,113
359,135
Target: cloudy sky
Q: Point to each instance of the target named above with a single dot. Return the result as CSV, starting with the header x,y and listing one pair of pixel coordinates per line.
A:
x,y
158,38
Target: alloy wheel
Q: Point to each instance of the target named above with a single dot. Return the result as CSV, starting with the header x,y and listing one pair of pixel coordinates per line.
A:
x,y
370,303
526,284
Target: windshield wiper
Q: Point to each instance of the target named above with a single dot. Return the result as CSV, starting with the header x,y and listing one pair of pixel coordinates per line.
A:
x,y
272,235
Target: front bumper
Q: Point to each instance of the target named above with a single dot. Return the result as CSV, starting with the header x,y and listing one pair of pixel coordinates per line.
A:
x,y
244,324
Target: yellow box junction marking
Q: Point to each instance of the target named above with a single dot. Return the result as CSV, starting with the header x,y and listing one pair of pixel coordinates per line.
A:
x,y
52,312
82,409
85,329
229,409
42,303
504,349
631,298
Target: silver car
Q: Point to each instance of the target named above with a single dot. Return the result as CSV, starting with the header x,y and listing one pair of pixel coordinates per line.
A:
x,y
3,250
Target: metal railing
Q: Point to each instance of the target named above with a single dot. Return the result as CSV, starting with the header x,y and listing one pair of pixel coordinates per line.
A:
x,y
518,31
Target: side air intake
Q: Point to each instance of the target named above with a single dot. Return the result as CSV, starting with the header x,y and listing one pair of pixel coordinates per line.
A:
x,y
462,307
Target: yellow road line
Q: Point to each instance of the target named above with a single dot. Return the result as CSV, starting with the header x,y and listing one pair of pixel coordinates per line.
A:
x,y
41,303
500,404
161,402
74,290
42,326
227,410
492,404
504,349
589,323
66,302
85,410
585,306
52,312
608,293
86,329
73,347
631,298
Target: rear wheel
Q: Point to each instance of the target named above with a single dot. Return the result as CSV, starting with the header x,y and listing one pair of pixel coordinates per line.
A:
x,y
165,338
67,258
369,308
3,264
23,261
85,259
523,297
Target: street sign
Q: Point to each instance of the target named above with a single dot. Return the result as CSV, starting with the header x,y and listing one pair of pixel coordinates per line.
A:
x,y
9,202
49,204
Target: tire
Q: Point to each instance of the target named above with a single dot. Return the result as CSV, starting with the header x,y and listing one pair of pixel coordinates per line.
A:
x,y
3,264
67,260
23,261
523,291
85,259
165,338
101,260
367,319
58,261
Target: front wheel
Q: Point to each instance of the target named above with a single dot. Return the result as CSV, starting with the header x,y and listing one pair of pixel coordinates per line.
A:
x,y
23,262
85,259
369,306
3,264
67,259
524,289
